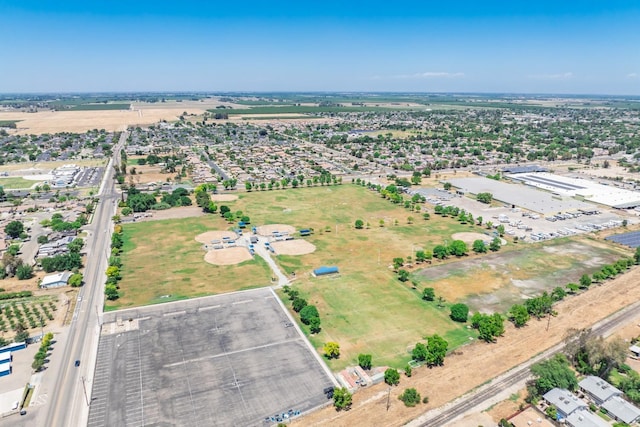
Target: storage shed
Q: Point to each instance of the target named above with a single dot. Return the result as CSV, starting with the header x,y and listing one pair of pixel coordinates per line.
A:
x,y
55,280
323,271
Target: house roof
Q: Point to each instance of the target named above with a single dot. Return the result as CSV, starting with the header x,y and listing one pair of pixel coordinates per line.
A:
x,y
584,418
598,388
621,409
55,278
564,400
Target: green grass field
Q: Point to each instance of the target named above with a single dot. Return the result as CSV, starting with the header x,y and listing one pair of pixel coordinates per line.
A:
x,y
163,262
9,123
366,309
14,183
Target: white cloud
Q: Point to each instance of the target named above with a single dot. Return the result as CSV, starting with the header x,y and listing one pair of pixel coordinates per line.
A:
x,y
559,76
633,75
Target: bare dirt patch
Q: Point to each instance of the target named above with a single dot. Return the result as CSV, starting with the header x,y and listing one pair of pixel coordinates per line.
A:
x,y
472,365
227,256
293,247
207,237
267,230
173,213
224,197
469,238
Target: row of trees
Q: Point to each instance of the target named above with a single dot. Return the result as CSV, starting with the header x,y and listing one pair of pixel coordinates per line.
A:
x,y
308,313
41,356
203,199
113,270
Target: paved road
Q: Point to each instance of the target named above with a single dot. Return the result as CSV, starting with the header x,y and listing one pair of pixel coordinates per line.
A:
x,y
476,399
69,404
266,255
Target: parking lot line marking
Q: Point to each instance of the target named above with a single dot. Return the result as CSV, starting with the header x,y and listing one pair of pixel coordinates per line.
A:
x,y
215,356
175,313
211,307
244,301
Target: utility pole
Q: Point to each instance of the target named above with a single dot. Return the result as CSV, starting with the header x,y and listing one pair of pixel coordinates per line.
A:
x,y
388,398
86,398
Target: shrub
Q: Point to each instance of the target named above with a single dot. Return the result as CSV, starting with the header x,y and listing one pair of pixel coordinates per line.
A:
x,y
459,312
410,397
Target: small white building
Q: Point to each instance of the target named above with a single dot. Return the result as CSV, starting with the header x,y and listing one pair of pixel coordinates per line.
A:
x,y
55,280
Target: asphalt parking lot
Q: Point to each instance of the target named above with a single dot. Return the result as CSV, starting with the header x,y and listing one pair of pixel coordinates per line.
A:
x,y
90,177
233,359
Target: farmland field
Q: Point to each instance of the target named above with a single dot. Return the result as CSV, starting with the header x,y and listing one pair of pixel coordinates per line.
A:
x,y
94,107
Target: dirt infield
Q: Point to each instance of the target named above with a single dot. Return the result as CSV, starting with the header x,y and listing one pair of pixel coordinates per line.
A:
x,y
267,230
227,256
469,238
293,247
224,197
207,237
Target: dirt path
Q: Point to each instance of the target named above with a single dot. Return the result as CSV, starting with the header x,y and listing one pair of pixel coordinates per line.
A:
x,y
477,363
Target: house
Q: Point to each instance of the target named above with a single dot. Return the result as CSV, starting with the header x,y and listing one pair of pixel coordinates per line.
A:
x,y
585,418
621,410
565,402
55,280
598,389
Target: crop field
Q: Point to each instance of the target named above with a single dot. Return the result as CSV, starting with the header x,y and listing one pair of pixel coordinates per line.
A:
x,y
306,109
98,107
163,262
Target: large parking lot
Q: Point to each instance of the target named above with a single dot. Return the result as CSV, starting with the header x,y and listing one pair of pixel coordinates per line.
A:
x,y
529,226
228,360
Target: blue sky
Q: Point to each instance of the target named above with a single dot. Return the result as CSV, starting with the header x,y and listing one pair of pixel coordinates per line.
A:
x,y
581,47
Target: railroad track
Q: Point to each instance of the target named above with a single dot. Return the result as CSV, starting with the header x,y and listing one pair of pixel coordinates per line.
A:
x,y
520,373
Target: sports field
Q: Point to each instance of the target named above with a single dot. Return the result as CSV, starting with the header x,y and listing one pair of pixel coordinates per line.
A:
x,y
163,262
15,183
366,309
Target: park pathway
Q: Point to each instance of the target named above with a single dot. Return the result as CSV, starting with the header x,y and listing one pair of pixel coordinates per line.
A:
x,y
266,255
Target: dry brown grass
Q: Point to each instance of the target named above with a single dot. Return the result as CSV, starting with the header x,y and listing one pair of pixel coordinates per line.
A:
x,y
477,363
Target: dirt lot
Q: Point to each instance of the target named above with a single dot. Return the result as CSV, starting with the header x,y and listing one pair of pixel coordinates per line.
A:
x,y
267,230
224,197
207,237
477,363
469,238
494,282
227,256
293,247
173,213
